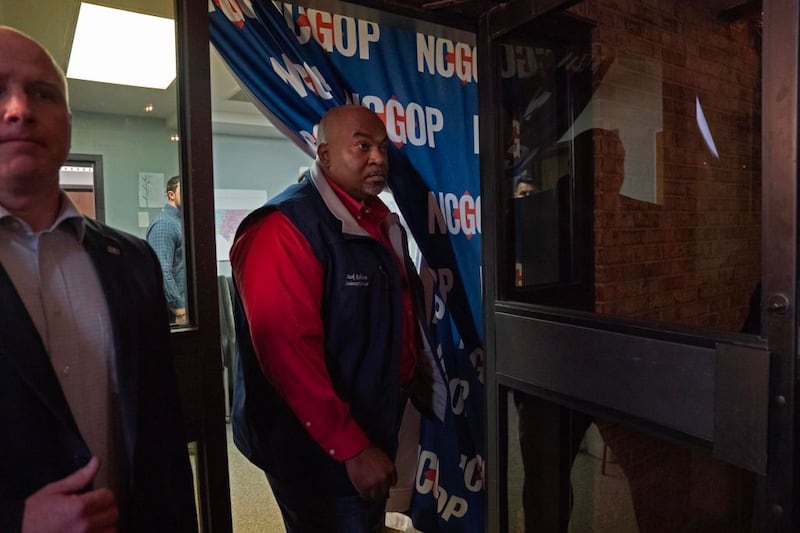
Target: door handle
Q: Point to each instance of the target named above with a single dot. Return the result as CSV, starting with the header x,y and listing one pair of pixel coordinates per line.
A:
x,y
777,304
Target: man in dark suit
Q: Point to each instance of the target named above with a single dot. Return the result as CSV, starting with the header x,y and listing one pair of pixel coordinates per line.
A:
x,y
92,437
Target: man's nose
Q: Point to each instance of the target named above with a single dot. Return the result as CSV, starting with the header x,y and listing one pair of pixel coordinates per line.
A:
x,y
378,156
16,106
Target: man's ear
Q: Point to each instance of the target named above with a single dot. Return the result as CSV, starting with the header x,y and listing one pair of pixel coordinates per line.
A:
x,y
323,154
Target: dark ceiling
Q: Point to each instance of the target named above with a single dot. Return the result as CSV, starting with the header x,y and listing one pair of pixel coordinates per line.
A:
x,y
461,13
465,13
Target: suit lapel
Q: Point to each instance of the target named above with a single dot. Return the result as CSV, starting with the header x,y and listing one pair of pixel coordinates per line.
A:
x,y
21,344
109,261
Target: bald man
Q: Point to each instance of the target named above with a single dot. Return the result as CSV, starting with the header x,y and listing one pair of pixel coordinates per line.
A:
x,y
327,307
88,404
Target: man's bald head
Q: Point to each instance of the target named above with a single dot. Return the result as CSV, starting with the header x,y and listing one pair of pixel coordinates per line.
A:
x,y
15,33
335,116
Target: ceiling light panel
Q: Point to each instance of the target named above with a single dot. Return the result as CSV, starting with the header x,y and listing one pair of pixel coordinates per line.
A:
x,y
122,47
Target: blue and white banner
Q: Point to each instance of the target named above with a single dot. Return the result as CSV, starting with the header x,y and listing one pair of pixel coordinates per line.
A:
x,y
299,60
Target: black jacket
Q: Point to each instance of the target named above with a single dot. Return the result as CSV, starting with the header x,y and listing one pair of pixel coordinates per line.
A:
x,y
41,442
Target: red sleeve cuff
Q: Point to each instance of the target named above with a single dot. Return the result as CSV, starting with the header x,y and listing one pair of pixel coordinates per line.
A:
x,y
342,442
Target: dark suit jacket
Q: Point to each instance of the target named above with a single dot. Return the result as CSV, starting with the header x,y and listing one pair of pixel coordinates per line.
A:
x,y
40,442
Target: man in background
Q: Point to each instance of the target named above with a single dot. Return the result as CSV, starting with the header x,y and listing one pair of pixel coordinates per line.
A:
x,y
327,309
92,434
165,235
524,186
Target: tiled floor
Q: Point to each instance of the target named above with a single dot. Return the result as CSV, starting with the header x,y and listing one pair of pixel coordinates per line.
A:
x,y
252,505
255,511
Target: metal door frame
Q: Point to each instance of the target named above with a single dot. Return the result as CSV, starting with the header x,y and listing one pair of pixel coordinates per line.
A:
x,y
196,348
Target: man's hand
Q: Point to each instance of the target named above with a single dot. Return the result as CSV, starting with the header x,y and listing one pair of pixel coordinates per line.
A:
x,y
180,316
60,508
372,473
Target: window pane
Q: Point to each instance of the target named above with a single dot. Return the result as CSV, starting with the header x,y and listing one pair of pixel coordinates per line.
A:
x,y
633,186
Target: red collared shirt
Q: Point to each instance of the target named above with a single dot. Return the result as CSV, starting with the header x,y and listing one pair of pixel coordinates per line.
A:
x,y
280,281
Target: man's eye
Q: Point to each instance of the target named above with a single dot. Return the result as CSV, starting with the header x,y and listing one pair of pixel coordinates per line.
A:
x,y
45,93
363,146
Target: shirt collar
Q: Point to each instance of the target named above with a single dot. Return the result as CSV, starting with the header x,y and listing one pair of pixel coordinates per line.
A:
x,y
68,215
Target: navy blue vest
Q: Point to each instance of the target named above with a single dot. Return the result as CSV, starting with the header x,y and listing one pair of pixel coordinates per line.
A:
x,y
362,316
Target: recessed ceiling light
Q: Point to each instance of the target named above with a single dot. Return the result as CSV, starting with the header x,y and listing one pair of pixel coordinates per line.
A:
x,y
122,47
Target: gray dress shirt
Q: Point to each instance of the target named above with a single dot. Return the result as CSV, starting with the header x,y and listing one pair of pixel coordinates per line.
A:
x,y
60,288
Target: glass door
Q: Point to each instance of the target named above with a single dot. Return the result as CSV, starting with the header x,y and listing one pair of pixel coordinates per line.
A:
x,y
639,176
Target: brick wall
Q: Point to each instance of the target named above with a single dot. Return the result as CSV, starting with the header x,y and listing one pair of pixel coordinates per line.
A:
x,y
690,253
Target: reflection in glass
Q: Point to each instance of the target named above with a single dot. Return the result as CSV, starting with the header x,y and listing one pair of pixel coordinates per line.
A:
x,y
635,134
632,188
568,472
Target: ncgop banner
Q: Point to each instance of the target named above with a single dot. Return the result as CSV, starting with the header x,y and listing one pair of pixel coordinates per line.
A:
x,y
299,59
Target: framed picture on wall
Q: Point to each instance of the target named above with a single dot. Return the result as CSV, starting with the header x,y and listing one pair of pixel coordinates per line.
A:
x,y
81,178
